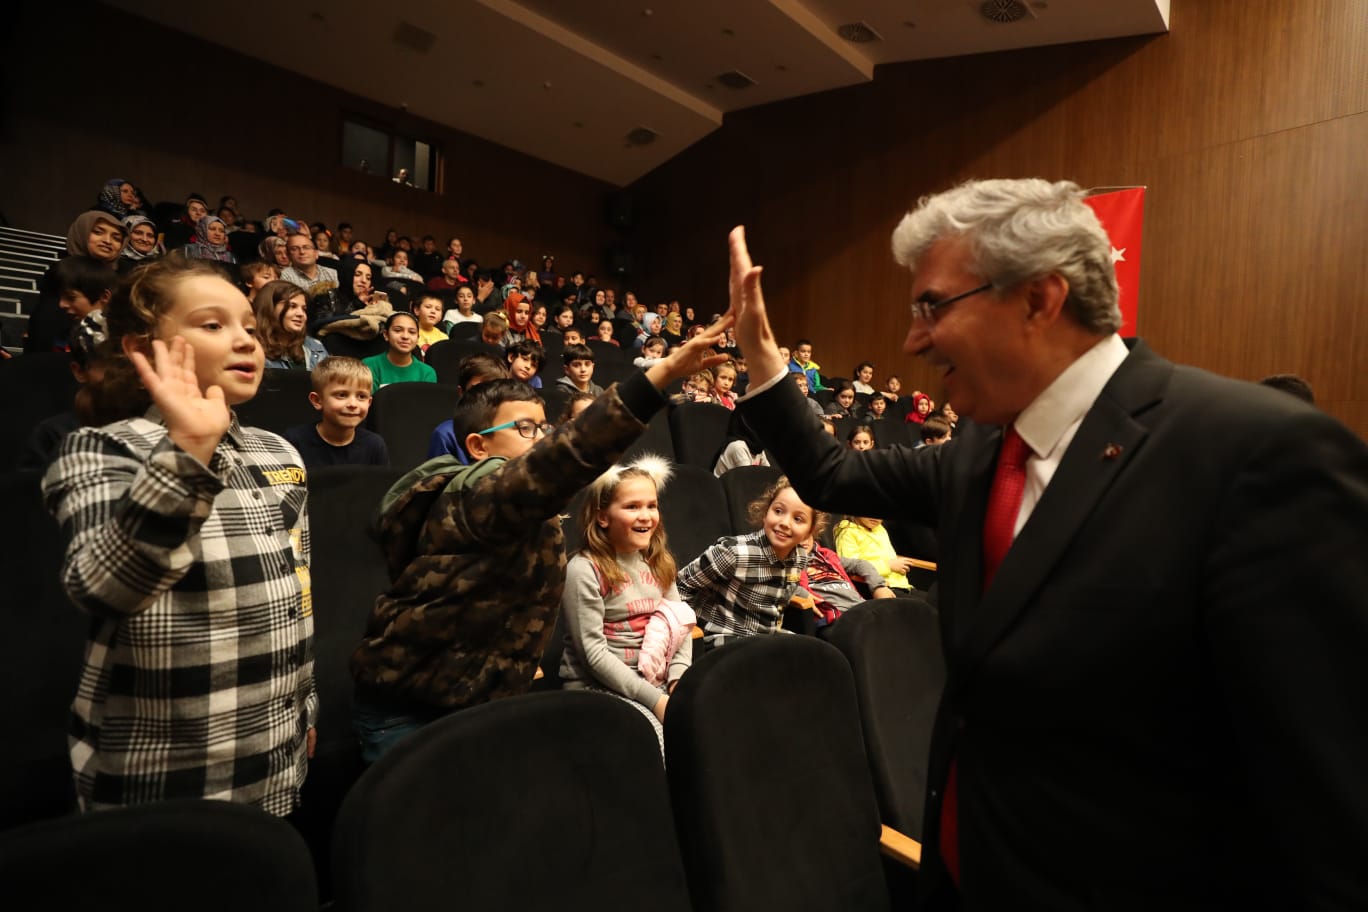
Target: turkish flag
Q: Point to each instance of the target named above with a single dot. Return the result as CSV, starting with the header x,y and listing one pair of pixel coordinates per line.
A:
x,y
1122,213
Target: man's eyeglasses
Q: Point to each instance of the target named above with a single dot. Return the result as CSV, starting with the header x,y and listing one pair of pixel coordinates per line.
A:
x,y
526,426
925,311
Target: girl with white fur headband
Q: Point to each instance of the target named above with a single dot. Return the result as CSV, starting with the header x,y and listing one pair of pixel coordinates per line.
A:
x,y
629,634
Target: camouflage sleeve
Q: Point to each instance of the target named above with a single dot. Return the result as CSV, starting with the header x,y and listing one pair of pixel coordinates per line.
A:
x,y
399,523
504,504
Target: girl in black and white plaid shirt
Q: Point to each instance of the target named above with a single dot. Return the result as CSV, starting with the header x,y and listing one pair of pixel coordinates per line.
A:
x,y
739,586
187,541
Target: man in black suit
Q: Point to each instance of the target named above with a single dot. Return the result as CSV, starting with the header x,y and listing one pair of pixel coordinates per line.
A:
x,y
1153,585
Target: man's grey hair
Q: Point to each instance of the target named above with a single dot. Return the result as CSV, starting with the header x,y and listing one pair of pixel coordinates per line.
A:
x,y
1019,230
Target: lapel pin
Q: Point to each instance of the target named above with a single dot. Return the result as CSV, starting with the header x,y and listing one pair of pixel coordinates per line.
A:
x,y
1111,451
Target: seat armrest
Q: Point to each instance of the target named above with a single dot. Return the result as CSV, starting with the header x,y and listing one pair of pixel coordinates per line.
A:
x,y
902,849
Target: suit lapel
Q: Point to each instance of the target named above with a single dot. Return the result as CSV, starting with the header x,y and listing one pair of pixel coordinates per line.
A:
x,y
966,540
1107,440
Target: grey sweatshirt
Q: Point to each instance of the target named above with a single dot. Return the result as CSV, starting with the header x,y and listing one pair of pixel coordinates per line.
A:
x,y
604,632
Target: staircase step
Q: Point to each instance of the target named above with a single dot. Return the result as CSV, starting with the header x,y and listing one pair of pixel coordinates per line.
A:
x,y
22,270
37,235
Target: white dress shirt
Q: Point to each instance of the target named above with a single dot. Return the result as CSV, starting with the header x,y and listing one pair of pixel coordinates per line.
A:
x,y
1049,423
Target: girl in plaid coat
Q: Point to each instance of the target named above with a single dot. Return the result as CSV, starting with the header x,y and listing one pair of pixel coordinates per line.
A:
x,y
187,542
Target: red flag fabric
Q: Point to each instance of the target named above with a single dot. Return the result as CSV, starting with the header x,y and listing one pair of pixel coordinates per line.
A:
x,y
1122,213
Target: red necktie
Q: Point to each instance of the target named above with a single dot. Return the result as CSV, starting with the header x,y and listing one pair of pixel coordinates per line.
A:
x,y
999,522
1004,502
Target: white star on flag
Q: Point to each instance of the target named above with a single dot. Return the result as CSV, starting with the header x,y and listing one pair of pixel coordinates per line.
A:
x,y
1118,256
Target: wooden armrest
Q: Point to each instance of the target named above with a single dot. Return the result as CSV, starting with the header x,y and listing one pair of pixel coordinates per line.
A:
x,y
924,565
902,849
539,675
696,633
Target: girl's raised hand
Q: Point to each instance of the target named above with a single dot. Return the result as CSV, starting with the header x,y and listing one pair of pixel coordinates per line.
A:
x,y
195,420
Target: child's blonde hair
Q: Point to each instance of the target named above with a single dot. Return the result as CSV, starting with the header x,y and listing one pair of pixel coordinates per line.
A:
x,y
760,506
727,366
706,376
496,318
599,498
340,369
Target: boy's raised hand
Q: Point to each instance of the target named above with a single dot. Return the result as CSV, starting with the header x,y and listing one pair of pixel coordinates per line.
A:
x,y
195,421
692,356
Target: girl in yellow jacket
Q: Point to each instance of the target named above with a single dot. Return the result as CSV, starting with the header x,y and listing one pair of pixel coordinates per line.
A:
x,y
865,538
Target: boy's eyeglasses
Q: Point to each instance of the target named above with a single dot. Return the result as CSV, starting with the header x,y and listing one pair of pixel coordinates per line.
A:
x,y
526,427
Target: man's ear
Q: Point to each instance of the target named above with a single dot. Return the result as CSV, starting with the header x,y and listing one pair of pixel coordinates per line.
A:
x,y
1045,298
476,446
316,401
104,299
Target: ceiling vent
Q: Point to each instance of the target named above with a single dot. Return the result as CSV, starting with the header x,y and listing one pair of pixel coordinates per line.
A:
x,y
1005,12
410,36
641,136
735,79
858,33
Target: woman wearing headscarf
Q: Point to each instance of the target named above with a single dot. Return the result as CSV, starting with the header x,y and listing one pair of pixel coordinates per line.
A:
x,y
651,325
272,250
119,198
520,326
96,235
211,241
141,244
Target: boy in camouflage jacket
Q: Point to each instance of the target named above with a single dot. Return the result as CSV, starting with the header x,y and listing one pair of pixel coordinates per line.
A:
x,y
476,554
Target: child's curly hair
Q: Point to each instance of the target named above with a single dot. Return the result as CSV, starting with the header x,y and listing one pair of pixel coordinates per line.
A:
x,y
760,506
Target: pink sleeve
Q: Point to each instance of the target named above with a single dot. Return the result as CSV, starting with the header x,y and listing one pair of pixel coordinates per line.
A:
x,y
653,661
665,632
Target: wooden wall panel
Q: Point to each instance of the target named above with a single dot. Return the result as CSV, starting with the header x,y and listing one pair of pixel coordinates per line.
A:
x,y
1246,123
271,138
1273,289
